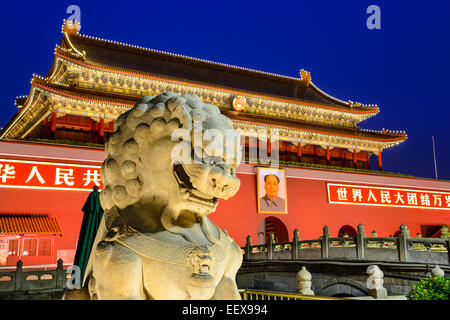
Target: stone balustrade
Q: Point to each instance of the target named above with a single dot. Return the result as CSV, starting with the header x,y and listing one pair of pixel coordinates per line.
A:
x,y
397,249
31,282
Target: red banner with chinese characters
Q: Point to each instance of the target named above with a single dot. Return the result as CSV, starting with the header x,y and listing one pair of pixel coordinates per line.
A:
x,y
387,197
48,175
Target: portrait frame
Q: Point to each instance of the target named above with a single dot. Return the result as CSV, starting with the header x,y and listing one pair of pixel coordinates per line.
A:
x,y
261,172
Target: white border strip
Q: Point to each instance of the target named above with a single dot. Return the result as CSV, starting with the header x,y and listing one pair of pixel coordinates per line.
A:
x,y
381,205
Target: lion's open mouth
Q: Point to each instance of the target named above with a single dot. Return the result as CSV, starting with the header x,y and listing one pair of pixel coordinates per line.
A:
x,y
194,194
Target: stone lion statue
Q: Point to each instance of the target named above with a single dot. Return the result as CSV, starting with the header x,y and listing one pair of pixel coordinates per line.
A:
x,y
155,240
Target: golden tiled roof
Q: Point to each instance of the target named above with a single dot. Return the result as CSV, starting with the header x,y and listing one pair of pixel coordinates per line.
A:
x,y
18,224
148,61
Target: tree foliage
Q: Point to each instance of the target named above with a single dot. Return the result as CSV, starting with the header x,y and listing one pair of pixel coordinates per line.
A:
x,y
434,288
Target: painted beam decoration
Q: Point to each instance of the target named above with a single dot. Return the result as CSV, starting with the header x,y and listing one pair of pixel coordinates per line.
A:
x,y
387,197
24,174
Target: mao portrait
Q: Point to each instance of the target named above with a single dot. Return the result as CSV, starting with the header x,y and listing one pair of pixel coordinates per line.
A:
x,y
271,190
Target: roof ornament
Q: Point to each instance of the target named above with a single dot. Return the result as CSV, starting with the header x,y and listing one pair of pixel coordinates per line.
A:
x,y
71,28
305,76
239,103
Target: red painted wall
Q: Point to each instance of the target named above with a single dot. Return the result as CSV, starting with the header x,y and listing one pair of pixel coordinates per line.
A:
x,y
309,211
308,207
63,205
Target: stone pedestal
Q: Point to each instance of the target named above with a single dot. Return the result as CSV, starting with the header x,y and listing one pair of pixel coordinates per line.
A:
x,y
375,282
304,282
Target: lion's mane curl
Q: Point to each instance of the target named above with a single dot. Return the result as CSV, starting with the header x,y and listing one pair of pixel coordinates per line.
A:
x,y
150,119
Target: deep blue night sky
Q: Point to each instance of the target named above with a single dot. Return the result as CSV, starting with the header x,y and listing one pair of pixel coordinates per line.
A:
x,y
404,68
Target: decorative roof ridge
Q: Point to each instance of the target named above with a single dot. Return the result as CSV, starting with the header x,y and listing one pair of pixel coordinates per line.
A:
x,y
135,47
220,64
305,77
22,98
386,131
71,28
63,51
349,103
24,214
176,55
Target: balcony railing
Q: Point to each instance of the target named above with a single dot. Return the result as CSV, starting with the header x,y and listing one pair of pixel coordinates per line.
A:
x,y
401,248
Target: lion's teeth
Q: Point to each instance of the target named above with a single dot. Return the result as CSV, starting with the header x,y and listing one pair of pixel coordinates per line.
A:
x,y
200,194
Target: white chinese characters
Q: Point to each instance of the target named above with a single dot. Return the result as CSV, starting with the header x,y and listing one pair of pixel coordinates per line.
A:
x,y
7,171
379,196
46,175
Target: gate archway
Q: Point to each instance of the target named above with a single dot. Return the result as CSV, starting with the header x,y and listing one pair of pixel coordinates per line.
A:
x,y
343,288
275,225
349,230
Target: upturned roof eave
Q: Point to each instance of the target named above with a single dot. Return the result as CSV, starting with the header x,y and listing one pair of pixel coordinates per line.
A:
x,y
129,102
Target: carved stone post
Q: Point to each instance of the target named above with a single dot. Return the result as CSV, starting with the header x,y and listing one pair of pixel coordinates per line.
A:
x,y
61,275
304,282
444,235
270,246
248,248
18,276
444,231
448,250
324,242
375,282
295,245
403,242
360,252
436,271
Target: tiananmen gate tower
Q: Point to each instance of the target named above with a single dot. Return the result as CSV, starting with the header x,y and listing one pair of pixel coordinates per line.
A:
x,y
52,149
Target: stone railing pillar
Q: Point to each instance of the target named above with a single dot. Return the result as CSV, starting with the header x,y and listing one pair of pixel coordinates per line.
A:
x,y
448,251
61,275
375,282
248,248
444,231
325,241
304,282
444,235
360,252
270,246
403,243
295,245
437,272
18,276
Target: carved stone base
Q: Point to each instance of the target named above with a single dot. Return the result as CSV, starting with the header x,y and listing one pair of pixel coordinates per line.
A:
x,y
378,293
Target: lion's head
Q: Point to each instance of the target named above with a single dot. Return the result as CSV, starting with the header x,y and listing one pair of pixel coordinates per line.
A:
x,y
170,157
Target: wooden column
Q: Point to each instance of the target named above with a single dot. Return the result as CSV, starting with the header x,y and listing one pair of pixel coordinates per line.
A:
x,y
299,152
269,150
328,155
101,130
354,158
53,126
380,162
252,150
93,135
46,128
315,160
